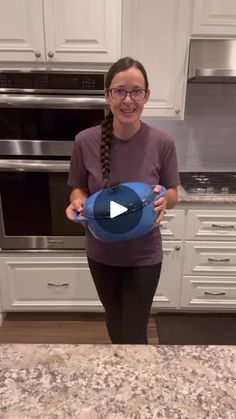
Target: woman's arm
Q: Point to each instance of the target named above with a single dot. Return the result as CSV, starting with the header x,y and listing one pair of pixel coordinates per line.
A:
x,y
171,198
165,202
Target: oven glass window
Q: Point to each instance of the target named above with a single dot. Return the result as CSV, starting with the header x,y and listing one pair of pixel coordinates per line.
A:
x,y
33,204
46,124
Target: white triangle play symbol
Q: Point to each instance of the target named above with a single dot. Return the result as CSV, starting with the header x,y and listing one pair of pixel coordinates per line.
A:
x,y
116,209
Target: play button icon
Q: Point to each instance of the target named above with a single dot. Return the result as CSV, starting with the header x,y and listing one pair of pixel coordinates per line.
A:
x,y
116,209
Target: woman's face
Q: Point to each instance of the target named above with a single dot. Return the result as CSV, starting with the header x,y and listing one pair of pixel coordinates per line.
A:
x,y
128,110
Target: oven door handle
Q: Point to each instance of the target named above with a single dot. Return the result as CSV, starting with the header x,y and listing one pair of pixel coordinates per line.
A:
x,y
47,101
34,165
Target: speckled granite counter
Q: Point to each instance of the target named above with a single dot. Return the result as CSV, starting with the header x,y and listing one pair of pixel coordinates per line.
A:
x,y
114,382
204,198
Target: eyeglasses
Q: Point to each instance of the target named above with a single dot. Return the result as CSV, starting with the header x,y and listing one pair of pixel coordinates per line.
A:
x,y
120,94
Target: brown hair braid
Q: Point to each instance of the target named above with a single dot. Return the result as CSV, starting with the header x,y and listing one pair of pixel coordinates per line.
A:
x,y
107,129
107,125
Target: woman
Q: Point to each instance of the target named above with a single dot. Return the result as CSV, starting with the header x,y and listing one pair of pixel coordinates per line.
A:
x,y
124,149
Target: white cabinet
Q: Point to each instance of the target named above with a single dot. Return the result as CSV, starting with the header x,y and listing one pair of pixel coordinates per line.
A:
x,y
168,290
59,282
214,18
198,270
156,32
60,31
21,30
209,268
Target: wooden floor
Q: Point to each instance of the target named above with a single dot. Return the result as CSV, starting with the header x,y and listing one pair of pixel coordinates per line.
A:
x,y
54,327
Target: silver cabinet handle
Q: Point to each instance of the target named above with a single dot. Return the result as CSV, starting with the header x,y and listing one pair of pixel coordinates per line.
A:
x,y
56,241
214,293
34,166
37,54
53,284
218,260
50,102
223,226
50,54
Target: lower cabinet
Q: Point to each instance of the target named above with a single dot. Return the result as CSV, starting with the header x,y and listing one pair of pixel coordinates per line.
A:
x,y
209,265
62,281
198,271
47,283
168,290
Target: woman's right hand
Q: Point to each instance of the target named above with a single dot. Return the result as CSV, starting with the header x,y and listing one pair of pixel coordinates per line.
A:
x,y
76,205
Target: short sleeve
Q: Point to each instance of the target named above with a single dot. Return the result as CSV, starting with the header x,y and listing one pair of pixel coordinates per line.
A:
x,y
169,175
78,177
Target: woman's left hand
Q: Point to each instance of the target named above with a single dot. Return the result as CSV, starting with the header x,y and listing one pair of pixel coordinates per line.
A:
x,y
160,205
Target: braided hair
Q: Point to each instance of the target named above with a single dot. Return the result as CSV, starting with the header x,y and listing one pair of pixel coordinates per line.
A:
x,y
107,124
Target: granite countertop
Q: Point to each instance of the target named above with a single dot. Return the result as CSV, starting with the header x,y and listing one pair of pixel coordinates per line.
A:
x,y
201,198
115,381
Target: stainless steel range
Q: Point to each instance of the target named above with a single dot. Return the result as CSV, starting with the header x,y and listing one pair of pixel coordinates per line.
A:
x,y
209,182
40,114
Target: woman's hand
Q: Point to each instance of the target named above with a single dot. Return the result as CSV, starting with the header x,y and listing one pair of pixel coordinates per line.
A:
x,y
76,205
160,205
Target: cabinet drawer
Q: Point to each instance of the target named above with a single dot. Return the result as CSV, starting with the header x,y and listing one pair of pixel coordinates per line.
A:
x,y
211,224
41,283
208,292
172,225
211,258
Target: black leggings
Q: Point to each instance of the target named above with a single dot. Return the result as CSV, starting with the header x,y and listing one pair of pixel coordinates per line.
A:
x,y
126,294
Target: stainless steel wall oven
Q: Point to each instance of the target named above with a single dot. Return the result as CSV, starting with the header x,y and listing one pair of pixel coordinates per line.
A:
x,y
40,114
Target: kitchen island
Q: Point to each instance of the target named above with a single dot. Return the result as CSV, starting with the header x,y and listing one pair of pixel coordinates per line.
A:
x,y
114,381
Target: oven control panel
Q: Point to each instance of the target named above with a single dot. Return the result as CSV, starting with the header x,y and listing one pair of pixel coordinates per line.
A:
x,y
53,81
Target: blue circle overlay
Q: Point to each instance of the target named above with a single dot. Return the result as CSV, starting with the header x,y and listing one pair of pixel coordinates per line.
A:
x,y
125,222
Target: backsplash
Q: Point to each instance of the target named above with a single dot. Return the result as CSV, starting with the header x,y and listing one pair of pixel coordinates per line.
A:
x,y
206,138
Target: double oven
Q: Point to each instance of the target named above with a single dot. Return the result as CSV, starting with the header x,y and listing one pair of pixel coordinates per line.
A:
x,y
40,115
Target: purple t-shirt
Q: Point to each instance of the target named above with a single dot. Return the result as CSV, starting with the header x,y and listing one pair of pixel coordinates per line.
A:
x,y
150,157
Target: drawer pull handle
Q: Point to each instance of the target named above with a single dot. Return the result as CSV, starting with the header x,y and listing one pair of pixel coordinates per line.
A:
x,y
56,241
223,225
218,260
214,293
53,284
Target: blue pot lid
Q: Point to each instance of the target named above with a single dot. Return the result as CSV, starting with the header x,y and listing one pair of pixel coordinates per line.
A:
x,y
132,195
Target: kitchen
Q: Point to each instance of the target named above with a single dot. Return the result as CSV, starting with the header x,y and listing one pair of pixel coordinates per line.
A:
x,y
170,27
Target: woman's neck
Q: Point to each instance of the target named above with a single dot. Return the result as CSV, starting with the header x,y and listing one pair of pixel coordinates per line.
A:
x,y
125,131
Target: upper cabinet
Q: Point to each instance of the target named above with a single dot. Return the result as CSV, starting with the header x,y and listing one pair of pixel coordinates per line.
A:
x,y
60,31
214,18
156,32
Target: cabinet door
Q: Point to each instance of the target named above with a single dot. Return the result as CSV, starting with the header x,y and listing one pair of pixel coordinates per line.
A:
x,y
214,17
48,284
156,33
167,294
21,31
172,225
82,31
